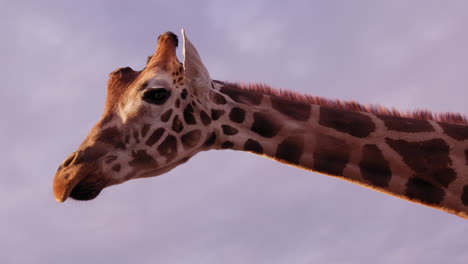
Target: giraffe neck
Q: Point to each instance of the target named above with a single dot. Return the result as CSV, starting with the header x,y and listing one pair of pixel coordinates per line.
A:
x,y
422,161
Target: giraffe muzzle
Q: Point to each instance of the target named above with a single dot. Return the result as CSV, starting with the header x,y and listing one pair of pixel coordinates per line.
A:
x,y
80,185
79,177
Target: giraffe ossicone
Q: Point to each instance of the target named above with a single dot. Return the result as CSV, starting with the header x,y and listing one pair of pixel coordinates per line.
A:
x,y
159,117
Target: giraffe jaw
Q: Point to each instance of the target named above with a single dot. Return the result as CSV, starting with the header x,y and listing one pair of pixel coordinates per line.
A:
x,y
160,171
81,181
90,186
80,188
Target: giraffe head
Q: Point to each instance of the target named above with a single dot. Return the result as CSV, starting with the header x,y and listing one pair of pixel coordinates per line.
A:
x,y
153,120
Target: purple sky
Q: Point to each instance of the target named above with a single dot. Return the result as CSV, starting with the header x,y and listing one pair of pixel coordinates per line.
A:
x,y
222,207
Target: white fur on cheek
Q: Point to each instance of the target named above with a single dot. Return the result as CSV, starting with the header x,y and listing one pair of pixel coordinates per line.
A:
x,y
129,109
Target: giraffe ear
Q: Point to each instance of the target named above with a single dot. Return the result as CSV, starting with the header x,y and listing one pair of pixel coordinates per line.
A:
x,y
195,71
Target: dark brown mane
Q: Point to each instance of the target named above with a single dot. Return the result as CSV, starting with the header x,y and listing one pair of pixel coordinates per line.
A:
x,y
454,118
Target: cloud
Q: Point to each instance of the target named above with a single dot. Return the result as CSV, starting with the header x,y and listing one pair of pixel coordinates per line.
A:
x,y
221,206
246,25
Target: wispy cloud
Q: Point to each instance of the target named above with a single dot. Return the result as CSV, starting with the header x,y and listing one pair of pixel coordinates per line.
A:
x,y
225,206
245,23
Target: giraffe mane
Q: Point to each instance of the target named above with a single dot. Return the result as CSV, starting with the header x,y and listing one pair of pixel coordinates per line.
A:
x,y
448,117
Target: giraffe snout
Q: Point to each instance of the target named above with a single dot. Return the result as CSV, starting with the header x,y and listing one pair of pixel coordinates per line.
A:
x,y
81,171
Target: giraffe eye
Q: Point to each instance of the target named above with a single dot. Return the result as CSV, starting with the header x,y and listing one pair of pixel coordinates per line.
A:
x,y
156,96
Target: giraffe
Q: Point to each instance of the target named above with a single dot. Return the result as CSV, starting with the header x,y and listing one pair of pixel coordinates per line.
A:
x,y
158,118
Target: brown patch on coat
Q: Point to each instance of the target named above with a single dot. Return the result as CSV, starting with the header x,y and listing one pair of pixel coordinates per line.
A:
x,y
466,156
142,160
210,139
205,118
145,129
265,125
291,149
188,115
166,115
353,123
330,155
111,136
464,196
168,148
295,110
242,96
155,136
229,130
110,159
136,136
458,132
227,144
216,114
88,154
177,125
116,167
428,159
184,94
217,98
237,115
424,191
373,166
191,139
253,146
406,124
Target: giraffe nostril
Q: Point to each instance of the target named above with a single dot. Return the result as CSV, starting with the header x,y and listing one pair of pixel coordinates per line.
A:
x,y
69,160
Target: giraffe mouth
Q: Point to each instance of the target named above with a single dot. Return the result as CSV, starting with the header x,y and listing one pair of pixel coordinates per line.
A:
x,y
88,188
